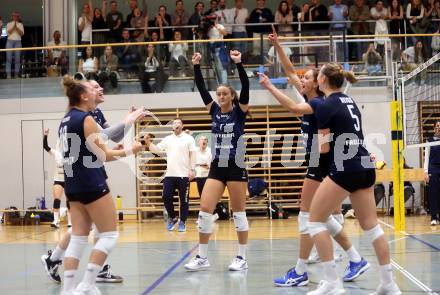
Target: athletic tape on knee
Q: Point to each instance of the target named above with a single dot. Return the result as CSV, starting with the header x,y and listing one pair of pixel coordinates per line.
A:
x,y
205,223
303,220
315,228
240,221
333,226
339,218
56,203
107,241
374,233
76,246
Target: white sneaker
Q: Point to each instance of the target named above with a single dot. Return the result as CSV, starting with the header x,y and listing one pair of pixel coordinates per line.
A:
x,y
197,263
390,289
328,288
85,289
238,263
434,222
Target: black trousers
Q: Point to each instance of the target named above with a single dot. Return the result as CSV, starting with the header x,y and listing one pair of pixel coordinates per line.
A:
x,y
108,76
200,184
433,194
170,184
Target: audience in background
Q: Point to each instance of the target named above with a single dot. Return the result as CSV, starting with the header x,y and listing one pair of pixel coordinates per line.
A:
x,y
164,19
225,17
108,64
57,61
197,16
114,22
240,15
88,64
128,55
396,16
284,17
138,22
380,14
260,15
152,69
85,23
359,13
372,60
180,17
15,31
213,6
98,23
178,59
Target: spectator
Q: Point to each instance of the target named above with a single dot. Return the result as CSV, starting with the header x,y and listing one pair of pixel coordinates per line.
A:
x,y
56,57
359,13
87,65
85,23
427,23
339,13
240,15
380,14
128,56
305,17
15,31
219,52
153,68
165,20
274,69
138,21
161,50
203,162
414,13
284,17
319,13
108,69
414,56
98,23
225,17
372,60
180,17
435,43
212,9
114,21
134,5
260,15
197,16
296,12
178,56
395,13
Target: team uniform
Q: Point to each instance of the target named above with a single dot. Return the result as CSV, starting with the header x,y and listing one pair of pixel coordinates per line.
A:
x,y
432,167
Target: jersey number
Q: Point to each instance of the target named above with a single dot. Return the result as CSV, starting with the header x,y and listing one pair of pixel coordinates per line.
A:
x,y
357,125
63,139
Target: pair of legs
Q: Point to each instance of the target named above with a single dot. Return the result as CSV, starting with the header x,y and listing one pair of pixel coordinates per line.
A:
x,y
433,193
17,58
104,76
57,193
170,184
183,63
62,62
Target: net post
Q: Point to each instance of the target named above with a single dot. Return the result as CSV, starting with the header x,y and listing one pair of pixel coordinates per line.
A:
x,y
397,152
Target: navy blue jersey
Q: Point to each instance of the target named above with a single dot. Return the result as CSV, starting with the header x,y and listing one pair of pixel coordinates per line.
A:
x,y
227,130
99,117
82,170
309,126
434,156
340,114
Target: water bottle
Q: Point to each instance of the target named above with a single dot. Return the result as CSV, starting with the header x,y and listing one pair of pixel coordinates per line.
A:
x,y
37,219
43,203
38,203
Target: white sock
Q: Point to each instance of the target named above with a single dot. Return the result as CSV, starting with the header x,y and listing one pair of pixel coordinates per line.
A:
x,y
242,250
69,280
56,217
386,274
300,267
203,250
353,254
91,273
339,218
330,273
57,254
69,218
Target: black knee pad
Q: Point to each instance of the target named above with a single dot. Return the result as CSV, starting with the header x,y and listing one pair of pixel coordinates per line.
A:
x,y
56,203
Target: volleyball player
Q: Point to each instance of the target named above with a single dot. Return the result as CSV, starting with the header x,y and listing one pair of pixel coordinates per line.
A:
x,y
227,169
58,183
351,173
432,174
86,187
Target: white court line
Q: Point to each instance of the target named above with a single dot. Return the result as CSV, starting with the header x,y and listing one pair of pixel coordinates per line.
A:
x,y
406,273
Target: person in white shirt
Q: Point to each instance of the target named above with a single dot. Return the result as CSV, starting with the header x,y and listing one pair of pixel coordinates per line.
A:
x,y
180,153
15,31
240,16
225,17
178,56
57,57
380,14
272,58
203,162
85,23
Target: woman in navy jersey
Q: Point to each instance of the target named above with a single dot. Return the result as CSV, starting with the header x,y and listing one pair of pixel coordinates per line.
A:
x,y
432,174
85,185
351,173
227,169
306,98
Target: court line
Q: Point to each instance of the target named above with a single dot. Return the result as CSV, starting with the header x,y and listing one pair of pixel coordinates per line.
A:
x,y
169,271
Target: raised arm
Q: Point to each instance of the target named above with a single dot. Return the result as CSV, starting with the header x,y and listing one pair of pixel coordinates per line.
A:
x,y
45,143
200,82
244,93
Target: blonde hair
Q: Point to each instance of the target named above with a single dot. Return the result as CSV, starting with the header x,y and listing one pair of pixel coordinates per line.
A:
x,y
336,74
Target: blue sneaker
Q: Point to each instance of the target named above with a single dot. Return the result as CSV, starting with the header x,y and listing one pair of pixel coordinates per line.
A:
x,y
182,227
171,224
355,269
292,279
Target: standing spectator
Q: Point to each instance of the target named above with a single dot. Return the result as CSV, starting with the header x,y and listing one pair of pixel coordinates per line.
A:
x,y
296,12
153,68
85,23
203,163
57,57
339,13
305,17
197,16
108,63
161,50
359,13
15,31
319,13
133,6
98,23
180,149
180,17
128,55
178,56
164,19
414,13
260,15
219,52
88,65
435,43
114,21
138,22
225,17
212,9
395,13
284,17
372,60
380,14
240,15
428,24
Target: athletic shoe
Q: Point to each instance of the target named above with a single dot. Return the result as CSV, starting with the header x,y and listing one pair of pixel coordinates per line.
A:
x,y
51,267
292,279
238,263
85,289
355,269
197,263
55,225
106,276
389,289
328,288
182,227
434,222
171,224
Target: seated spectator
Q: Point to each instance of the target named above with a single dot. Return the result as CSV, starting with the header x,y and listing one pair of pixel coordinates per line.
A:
x,y
153,68
213,8
180,18
57,60
128,55
165,20
138,21
99,23
15,31
435,43
114,21
161,50
85,23
87,65
108,64
259,15
178,57
284,17
380,14
372,60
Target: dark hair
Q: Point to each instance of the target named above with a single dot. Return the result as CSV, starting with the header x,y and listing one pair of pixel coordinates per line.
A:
x,y
336,75
73,90
113,1
197,4
377,1
282,12
177,1
163,7
235,97
84,53
315,72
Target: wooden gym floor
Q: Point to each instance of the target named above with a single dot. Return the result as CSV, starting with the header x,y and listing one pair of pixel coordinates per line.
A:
x,y
151,259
